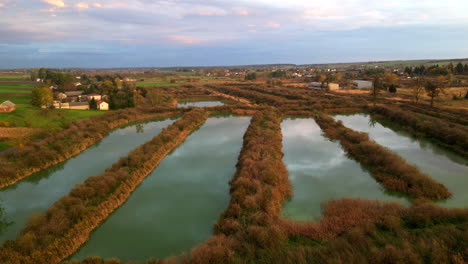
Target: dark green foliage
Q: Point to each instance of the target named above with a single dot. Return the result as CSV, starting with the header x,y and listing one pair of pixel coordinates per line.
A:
x,y
251,76
93,104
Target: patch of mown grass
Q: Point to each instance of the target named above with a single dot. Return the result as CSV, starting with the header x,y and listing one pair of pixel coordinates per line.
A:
x,y
29,116
155,84
14,91
16,99
4,146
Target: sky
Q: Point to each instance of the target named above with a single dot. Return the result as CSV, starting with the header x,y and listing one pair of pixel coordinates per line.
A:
x,y
144,33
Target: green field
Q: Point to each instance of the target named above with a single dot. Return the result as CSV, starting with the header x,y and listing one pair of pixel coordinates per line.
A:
x,y
16,99
12,78
28,116
14,91
155,84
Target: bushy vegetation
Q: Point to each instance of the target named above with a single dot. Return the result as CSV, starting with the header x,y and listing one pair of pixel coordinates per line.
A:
x,y
58,147
387,167
51,236
443,132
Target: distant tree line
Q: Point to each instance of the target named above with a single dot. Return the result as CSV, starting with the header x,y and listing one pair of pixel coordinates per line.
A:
x,y
438,70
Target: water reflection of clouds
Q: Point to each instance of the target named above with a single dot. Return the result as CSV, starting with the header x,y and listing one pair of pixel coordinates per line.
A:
x,y
305,127
312,164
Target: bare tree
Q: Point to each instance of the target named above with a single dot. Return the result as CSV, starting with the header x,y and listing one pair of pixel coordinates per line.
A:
x,y
376,88
417,89
435,87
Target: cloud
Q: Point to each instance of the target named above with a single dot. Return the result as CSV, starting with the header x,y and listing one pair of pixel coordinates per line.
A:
x,y
98,5
186,39
2,4
58,3
82,5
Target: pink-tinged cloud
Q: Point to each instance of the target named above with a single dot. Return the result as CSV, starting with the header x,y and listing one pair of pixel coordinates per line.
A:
x,y
98,5
2,4
242,12
82,5
58,3
186,39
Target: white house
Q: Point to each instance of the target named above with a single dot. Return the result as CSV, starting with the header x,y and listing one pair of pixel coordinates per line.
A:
x,y
360,84
79,105
333,86
97,97
315,85
59,105
102,105
61,96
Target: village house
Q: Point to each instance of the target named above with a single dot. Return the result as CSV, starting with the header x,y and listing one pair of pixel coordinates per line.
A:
x,y
60,105
96,97
61,96
333,86
79,105
361,84
103,106
315,85
74,96
320,86
7,107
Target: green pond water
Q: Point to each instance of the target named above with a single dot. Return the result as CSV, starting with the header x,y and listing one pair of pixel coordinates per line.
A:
x,y
319,170
40,190
176,206
200,104
442,165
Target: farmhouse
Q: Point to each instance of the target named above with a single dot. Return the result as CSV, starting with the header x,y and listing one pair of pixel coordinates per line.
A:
x,y
7,107
79,105
319,86
74,93
102,105
61,96
315,85
60,105
96,97
360,84
333,86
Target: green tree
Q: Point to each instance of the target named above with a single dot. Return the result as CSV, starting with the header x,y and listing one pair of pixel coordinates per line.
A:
x,y
41,96
434,88
459,68
93,104
378,86
450,67
251,76
42,73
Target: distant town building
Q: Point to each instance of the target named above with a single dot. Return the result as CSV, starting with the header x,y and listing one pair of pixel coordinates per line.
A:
x,y
7,107
102,105
61,96
333,86
74,93
97,97
315,85
360,84
79,105
60,105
